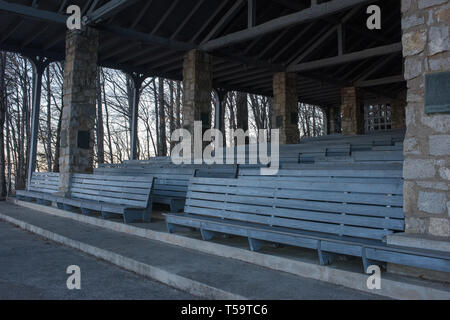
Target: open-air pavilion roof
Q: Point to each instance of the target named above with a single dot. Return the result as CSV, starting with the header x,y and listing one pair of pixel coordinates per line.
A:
x,y
326,42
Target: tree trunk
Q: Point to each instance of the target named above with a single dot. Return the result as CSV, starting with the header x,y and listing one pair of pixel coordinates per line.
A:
x,y
162,119
100,129
3,111
49,122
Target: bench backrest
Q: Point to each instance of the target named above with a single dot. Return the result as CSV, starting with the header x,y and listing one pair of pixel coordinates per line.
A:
x,y
369,211
172,182
124,190
46,182
331,174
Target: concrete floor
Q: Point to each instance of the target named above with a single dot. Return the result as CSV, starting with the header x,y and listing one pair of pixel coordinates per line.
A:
x,y
34,268
250,281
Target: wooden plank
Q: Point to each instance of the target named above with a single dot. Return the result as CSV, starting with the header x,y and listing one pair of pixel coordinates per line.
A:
x,y
366,233
295,214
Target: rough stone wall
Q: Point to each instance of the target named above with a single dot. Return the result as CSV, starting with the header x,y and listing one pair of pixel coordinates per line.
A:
x,y
426,48
79,111
352,117
285,107
197,88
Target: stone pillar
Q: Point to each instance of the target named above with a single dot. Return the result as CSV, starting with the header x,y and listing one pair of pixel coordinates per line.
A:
x,y
285,107
79,111
425,26
352,116
197,86
331,120
398,114
242,113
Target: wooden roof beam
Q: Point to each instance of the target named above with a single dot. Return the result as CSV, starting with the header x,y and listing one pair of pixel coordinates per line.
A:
x,y
314,12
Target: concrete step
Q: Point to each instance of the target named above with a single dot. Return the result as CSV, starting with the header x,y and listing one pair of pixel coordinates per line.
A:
x,y
197,273
224,269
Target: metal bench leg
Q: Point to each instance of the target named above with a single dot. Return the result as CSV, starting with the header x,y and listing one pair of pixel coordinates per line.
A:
x,y
368,262
29,199
171,228
325,258
106,215
87,212
147,216
43,202
47,203
207,235
255,245
70,208
60,205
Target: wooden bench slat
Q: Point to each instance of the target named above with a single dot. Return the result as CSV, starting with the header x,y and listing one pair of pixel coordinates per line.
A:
x,y
359,220
336,208
241,196
325,186
299,224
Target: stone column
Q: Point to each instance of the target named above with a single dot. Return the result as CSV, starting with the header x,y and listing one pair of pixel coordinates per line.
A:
x,y
285,107
398,114
242,113
79,111
331,120
352,116
197,86
425,26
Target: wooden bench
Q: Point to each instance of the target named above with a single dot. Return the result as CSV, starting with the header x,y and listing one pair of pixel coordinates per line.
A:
x,y
124,195
359,174
171,184
42,188
331,218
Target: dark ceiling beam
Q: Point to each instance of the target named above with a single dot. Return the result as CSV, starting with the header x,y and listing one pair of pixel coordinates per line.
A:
x,y
267,10
11,29
349,57
379,64
293,41
147,38
107,10
141,14
293,5
155,57
165,16
226,18
303,16
356,44
34,13
381,81
210,19
251,13
332,30
187,19
137,54
274,42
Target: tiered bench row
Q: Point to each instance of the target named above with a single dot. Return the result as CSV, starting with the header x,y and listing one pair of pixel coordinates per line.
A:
x,y
124,195
330,217
171,182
